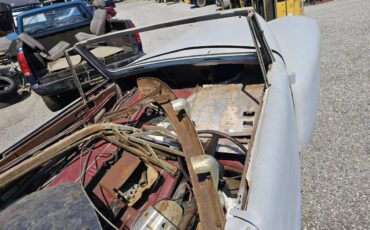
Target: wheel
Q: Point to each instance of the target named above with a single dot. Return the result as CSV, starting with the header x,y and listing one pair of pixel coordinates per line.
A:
x,y
59,101
53,102
211,145
201,3
8,88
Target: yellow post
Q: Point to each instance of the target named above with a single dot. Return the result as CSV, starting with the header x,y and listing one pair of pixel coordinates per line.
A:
x,y
295,7
298,7
288,7
281,8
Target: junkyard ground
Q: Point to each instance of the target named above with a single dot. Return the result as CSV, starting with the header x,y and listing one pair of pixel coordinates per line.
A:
x,y
336,165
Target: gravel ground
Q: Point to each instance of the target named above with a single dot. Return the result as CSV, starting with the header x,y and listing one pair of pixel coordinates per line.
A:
x,y
20,118
138,11
335,167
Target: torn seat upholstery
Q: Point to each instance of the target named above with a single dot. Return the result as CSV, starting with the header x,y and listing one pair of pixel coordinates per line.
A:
x,y
53,54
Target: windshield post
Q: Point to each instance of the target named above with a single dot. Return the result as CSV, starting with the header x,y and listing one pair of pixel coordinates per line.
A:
x,y
263,51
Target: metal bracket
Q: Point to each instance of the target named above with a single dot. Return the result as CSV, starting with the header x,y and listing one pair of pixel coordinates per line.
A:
x,y
206,164
181,104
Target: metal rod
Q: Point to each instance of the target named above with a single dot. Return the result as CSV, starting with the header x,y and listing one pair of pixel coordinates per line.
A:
x,y
75,77
258,50
240,12
100,67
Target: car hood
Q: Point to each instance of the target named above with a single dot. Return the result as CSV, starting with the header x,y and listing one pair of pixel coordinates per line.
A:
x,y
214,35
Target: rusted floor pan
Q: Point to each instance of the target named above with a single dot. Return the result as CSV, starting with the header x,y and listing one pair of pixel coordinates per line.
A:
x,y
226,108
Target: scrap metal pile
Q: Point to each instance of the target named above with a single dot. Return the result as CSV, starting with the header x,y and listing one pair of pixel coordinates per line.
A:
x,y
143,165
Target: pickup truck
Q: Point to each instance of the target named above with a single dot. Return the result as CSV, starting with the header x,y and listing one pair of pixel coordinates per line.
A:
x,y
45,33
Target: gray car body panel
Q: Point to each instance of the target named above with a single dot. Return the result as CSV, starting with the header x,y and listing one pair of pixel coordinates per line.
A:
x,y
299,39
285,127
274,172
207,35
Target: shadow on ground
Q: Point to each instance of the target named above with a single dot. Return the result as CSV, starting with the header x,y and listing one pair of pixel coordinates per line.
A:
x,y
14,100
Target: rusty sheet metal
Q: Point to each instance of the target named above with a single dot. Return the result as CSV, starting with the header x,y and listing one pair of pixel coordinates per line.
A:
x,y
210,211
190,210
225,108
129,110
165,184
98,107
153,219
171,210
152,176
117,175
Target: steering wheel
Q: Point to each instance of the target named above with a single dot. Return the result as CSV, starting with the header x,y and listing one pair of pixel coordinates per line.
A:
x,y
211,145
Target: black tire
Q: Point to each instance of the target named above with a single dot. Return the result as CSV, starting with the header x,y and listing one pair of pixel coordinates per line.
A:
x,y
59,101
201,3
53,102
8,88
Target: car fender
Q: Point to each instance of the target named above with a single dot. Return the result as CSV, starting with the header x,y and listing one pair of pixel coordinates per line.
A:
x,y
299,40
274,171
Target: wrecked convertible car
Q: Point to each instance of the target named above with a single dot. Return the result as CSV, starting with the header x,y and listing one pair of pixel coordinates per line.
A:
x,y
204,133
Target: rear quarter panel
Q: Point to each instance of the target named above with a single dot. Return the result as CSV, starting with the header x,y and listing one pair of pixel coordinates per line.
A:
x,y
274,173
299,40
285,127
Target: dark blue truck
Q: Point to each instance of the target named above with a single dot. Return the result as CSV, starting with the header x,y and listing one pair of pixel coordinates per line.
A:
x,y
45,33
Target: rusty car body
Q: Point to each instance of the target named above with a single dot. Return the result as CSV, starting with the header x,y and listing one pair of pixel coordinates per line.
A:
x,y
200,134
